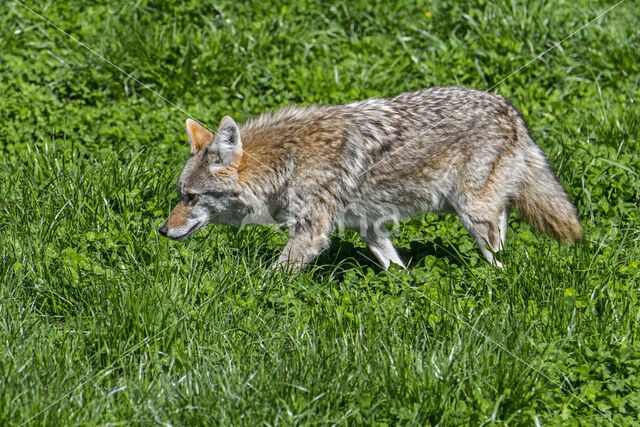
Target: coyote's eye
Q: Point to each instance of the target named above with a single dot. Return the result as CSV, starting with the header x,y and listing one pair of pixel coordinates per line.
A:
x,y
191,198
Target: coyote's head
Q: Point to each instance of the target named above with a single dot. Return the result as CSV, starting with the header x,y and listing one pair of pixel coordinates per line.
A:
x,y
208,187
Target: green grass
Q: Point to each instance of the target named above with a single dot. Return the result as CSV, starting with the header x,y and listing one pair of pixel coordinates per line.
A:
x,y
104,322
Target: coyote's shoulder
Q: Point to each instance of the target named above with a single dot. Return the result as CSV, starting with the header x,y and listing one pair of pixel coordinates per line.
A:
x,y
363,164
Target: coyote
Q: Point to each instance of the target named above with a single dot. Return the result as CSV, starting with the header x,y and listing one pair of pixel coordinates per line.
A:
x,y
368,163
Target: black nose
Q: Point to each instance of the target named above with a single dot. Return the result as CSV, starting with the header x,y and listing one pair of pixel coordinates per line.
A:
x,y
163,230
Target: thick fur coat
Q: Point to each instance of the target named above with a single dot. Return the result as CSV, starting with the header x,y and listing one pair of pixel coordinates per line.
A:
x,y
365,164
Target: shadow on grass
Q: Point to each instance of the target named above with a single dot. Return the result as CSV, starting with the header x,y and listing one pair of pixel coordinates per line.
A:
x,y
419,250
342,256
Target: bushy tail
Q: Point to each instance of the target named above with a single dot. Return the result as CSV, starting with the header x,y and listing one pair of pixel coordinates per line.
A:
x,y
543,201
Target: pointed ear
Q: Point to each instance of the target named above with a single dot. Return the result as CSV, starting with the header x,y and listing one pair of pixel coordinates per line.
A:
x,y
228,142
198,136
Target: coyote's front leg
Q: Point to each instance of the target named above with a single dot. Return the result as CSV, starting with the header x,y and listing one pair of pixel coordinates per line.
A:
x,y
304,245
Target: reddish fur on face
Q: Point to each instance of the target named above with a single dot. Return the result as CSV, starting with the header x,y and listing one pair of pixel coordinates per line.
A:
x,y
178,216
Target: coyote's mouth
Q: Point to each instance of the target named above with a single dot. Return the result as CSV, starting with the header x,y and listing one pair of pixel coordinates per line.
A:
x,y
189,232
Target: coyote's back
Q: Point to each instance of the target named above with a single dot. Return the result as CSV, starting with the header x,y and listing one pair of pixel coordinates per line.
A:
x,y
363,164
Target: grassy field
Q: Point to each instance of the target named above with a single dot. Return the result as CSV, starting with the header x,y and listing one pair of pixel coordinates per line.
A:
x,y
102,321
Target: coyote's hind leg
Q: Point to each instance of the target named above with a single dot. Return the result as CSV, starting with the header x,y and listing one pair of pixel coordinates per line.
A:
x,y
485,229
